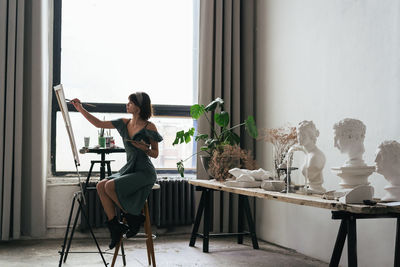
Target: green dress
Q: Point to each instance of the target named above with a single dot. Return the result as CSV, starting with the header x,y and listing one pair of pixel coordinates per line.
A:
x,y
134,181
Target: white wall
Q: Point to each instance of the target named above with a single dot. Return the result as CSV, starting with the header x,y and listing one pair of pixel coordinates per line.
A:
x,y
325,61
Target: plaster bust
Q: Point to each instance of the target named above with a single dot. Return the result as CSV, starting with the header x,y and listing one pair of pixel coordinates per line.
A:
x,y
349,139
307,135
388,161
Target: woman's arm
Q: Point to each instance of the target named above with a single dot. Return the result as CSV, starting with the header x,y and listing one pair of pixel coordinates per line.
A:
x,y
152,149
92,119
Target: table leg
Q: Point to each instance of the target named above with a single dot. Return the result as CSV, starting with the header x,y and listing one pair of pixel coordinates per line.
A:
x,y
352,241
221,211
240,219
397,245
337,251
200,210
250,222
207,217
103,166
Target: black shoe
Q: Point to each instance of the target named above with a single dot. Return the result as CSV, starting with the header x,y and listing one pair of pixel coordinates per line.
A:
x,y
117,229
134,223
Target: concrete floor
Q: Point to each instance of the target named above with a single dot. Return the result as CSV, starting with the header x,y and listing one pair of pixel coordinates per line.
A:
x,y
169,250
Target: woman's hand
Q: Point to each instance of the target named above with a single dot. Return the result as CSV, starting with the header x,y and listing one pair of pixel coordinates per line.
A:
x,y
141,145
77,104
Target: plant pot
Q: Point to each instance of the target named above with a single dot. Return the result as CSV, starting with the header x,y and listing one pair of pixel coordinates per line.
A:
x,y
205,162
220,170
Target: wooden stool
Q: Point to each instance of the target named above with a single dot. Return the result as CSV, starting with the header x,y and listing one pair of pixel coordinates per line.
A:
x,y
149,237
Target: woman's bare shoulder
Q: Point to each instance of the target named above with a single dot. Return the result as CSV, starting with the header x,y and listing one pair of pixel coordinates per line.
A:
x,y
152,126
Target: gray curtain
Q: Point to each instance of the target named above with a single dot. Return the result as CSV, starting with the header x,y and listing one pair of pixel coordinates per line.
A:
x,y
11,103
227,60
226,70
23,117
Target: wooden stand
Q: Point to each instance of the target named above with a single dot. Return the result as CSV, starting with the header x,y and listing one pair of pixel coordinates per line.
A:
x,y
149,241
205,207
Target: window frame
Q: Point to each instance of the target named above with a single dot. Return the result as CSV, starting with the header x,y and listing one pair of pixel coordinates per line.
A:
x,y
158,110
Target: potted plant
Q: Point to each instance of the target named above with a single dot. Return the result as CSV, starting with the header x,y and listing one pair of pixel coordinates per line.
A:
x,y
221,134
227,158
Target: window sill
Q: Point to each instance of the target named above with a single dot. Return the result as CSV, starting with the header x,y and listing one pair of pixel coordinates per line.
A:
x,y
73,180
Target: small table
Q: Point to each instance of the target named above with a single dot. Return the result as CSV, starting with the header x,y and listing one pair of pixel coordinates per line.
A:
x,y
103,152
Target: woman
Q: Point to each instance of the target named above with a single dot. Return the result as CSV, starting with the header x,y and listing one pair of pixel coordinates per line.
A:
x,y
128,189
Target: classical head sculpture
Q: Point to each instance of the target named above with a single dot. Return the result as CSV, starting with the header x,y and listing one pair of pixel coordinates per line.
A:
x,y
349,139
388,161
307,132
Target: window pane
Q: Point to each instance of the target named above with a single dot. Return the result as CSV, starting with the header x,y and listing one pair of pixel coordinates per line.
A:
x,y
168,154
111,49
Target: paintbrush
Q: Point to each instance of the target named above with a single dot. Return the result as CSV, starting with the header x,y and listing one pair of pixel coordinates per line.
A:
x,y
87,104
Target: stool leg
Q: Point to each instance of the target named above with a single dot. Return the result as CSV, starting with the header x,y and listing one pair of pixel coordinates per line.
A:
x,y
123,253
116,252
149,234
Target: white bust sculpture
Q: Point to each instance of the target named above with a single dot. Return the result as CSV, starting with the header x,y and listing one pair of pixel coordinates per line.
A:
x,y
307,135
349,139
388,164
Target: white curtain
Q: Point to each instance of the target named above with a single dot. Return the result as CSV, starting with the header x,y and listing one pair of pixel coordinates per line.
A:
x,y
24,80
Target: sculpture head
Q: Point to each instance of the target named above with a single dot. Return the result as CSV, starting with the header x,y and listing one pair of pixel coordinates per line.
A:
x,y
388,160
349,139
307,133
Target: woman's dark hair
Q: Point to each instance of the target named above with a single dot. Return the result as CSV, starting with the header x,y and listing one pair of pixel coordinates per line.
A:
x,y
142,100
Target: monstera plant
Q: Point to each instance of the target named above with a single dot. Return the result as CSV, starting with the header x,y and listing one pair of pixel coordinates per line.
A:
x,y
221,133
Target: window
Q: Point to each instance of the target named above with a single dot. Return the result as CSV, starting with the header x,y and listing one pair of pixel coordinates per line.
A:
x,y
106,50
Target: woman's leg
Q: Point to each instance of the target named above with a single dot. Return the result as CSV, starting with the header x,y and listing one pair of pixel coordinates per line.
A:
x,y
106,201
110,191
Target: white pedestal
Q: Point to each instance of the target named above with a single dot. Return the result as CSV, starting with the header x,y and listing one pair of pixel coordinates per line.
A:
x,y
393,193
353,176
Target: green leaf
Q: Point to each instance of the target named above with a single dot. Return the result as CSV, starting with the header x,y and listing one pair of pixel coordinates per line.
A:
x,y
213,105
222,119
179,138
191,131
180,167
232,138
188,135
183,136
204,148
196,111
251,127
201,137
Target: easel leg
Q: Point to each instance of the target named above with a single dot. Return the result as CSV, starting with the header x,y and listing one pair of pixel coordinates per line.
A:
x,y
91,232
240,219
337,251
66,232
250,222
72,234
196,225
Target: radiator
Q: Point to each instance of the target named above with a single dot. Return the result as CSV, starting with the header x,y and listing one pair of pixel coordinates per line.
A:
x,y
172,205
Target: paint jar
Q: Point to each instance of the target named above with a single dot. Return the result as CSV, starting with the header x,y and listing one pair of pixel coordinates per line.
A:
x,y
102,141
86,140
108,141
